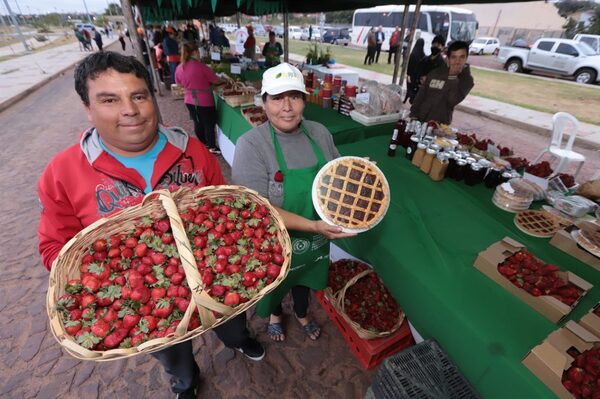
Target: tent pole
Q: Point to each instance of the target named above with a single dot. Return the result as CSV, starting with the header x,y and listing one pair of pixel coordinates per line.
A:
x,y
286,50
151,56
130,21
416,16
401,41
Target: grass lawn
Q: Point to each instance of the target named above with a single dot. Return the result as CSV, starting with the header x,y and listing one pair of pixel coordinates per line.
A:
x,y
528,92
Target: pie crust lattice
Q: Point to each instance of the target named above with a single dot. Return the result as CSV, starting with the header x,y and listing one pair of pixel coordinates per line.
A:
x,y
537,223
352,193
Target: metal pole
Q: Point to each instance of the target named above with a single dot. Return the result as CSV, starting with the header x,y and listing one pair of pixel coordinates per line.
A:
x,y
399,48
20,12
87,12
416,16
131,27
496,24
16,24
286,40
152,59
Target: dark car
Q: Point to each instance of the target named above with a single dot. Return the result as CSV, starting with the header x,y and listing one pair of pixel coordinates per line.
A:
x,y
336,36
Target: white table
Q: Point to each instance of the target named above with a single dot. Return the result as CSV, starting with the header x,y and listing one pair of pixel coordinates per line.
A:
x,y
347,74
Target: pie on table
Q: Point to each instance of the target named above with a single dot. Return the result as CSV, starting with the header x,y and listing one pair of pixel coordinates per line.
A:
x,y
352,193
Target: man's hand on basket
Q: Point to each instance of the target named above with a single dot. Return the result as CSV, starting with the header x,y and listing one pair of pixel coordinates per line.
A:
x,y
330,232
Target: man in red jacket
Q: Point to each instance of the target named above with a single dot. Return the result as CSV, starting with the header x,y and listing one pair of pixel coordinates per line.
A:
x,y
124,156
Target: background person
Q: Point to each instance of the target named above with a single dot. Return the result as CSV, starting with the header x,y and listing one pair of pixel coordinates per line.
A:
x,y
250,44
394,43
379,39
127,141
121,37
197,78
371,47
171,50
412,72
97,38
272,51
433,60
445,87
279,159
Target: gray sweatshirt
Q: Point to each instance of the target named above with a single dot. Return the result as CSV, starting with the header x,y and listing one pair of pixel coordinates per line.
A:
x,y
255,162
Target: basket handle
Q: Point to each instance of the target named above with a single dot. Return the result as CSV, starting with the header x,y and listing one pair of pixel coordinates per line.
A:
x,y
341,294
201,298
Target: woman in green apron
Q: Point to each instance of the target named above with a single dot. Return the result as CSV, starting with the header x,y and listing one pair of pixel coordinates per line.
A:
x,y
280,160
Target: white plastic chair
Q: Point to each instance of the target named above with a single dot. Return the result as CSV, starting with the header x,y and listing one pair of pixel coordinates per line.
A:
x,y
562,123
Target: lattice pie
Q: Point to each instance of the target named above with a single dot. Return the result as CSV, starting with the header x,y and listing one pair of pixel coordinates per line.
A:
x,y
352,193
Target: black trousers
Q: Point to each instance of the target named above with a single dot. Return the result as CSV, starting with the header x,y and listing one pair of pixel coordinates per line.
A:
x,y
205,120
178,360
378,50
122,43
369,58
99,44
392,52
300,296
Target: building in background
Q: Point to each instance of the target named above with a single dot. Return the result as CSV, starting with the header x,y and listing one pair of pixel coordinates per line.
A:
x,y
511,21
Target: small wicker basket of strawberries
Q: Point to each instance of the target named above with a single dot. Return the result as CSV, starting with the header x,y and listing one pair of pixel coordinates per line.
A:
x,y
165,271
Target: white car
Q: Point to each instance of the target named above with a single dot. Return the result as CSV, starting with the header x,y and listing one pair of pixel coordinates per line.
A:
x,y
591,40
295,33
316,34
484,45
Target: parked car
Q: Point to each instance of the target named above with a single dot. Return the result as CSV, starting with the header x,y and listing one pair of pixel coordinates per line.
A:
x,y
484,45
562,57
520,42
295,32
591,40
278,31
259,30
336,36
89,27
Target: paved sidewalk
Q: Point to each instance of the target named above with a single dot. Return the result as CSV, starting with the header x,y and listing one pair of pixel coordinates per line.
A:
x,y
23,75
18,48
534,121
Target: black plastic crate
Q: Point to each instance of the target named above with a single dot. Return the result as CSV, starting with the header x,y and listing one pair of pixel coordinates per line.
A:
x,y
422,371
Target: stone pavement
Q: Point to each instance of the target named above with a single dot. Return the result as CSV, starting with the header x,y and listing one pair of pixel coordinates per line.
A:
x,y
533,121
22,75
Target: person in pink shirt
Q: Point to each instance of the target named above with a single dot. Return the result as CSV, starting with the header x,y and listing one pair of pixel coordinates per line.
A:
x,y
197,79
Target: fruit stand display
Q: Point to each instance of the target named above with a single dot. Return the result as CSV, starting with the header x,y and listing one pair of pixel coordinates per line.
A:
x,y
165,271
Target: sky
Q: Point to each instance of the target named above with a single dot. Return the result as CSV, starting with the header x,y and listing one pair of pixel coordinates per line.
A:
x,y
46,6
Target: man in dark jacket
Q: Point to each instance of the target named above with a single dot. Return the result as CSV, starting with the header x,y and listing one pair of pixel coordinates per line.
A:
x,y
379,39
171,50
433,60
97,38
445,87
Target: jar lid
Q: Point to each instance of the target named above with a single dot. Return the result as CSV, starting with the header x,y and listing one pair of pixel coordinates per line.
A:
x,y
431,150
476,167
414,138
507,175
461,162
422,146
442,156
470,160
435,147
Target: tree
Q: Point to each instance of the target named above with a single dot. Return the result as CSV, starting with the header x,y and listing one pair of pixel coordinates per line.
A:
x,y
569,7
340,17
113,9
594,26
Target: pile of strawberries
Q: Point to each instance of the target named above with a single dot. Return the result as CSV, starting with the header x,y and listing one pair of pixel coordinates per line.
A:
x,y
133,288
537,278
368,302
582,379
567,179
517,163
236,247
541,169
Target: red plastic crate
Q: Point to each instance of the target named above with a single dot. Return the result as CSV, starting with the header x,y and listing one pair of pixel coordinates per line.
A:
x,y
370,352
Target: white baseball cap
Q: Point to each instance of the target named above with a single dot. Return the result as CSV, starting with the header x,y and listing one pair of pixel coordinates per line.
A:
x,y
281,78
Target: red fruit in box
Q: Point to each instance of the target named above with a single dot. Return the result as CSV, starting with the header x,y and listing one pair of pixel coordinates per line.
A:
x,y
231,299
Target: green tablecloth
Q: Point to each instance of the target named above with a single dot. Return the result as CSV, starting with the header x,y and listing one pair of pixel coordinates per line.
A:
x,y
424,250
343,128
252,76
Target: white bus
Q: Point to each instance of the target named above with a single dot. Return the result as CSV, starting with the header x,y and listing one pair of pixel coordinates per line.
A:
x,y
452,23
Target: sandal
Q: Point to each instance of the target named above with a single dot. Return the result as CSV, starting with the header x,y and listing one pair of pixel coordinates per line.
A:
x,y
274,330
310,329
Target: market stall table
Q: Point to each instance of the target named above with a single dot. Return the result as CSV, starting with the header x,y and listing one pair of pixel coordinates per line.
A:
x,y
347,74
424,250
232,126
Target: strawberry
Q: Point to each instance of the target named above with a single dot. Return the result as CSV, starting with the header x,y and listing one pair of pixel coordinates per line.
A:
x,y
217,290
140,294
158,293
87,300
75,314
73,286
177,278
575,374
72,327
130,321
149,322
146,309
100,328
150,279
135,279
231,299
114,253
163,308
207,277
110,316
113,339
158,258
182,304
249,279
91,283
273,270
140,250
100,245
172,291
278,259
183,292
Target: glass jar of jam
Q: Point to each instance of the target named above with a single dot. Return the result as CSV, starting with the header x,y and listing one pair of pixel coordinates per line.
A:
x,y
419,154
439,167
403,133
461,167
474,174
412,147
428,160
452,158
493,177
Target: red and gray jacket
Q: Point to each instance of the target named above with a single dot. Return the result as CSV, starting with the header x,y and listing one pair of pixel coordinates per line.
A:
x,y
85,183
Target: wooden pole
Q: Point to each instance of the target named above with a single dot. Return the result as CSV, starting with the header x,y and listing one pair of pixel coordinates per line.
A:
x,y
130,21
151,57
415,22
401,41
286,25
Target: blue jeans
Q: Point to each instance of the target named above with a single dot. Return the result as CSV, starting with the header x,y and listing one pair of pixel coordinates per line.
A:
x,y
172,67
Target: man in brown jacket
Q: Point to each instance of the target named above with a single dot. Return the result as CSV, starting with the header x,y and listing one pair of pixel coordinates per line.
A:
x,y
445,87
371,47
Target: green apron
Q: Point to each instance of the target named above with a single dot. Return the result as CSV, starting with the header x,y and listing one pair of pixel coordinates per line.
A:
x,y
310,251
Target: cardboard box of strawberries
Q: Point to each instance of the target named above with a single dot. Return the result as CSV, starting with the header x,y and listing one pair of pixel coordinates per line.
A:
x,y
568,362
165,271
542,286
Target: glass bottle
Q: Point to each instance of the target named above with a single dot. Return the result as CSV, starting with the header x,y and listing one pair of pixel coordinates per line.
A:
x,y
412,147
461,166
393,144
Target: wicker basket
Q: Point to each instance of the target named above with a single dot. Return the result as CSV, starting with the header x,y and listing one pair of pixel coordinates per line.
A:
x,y
337,299
246,98
156,205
